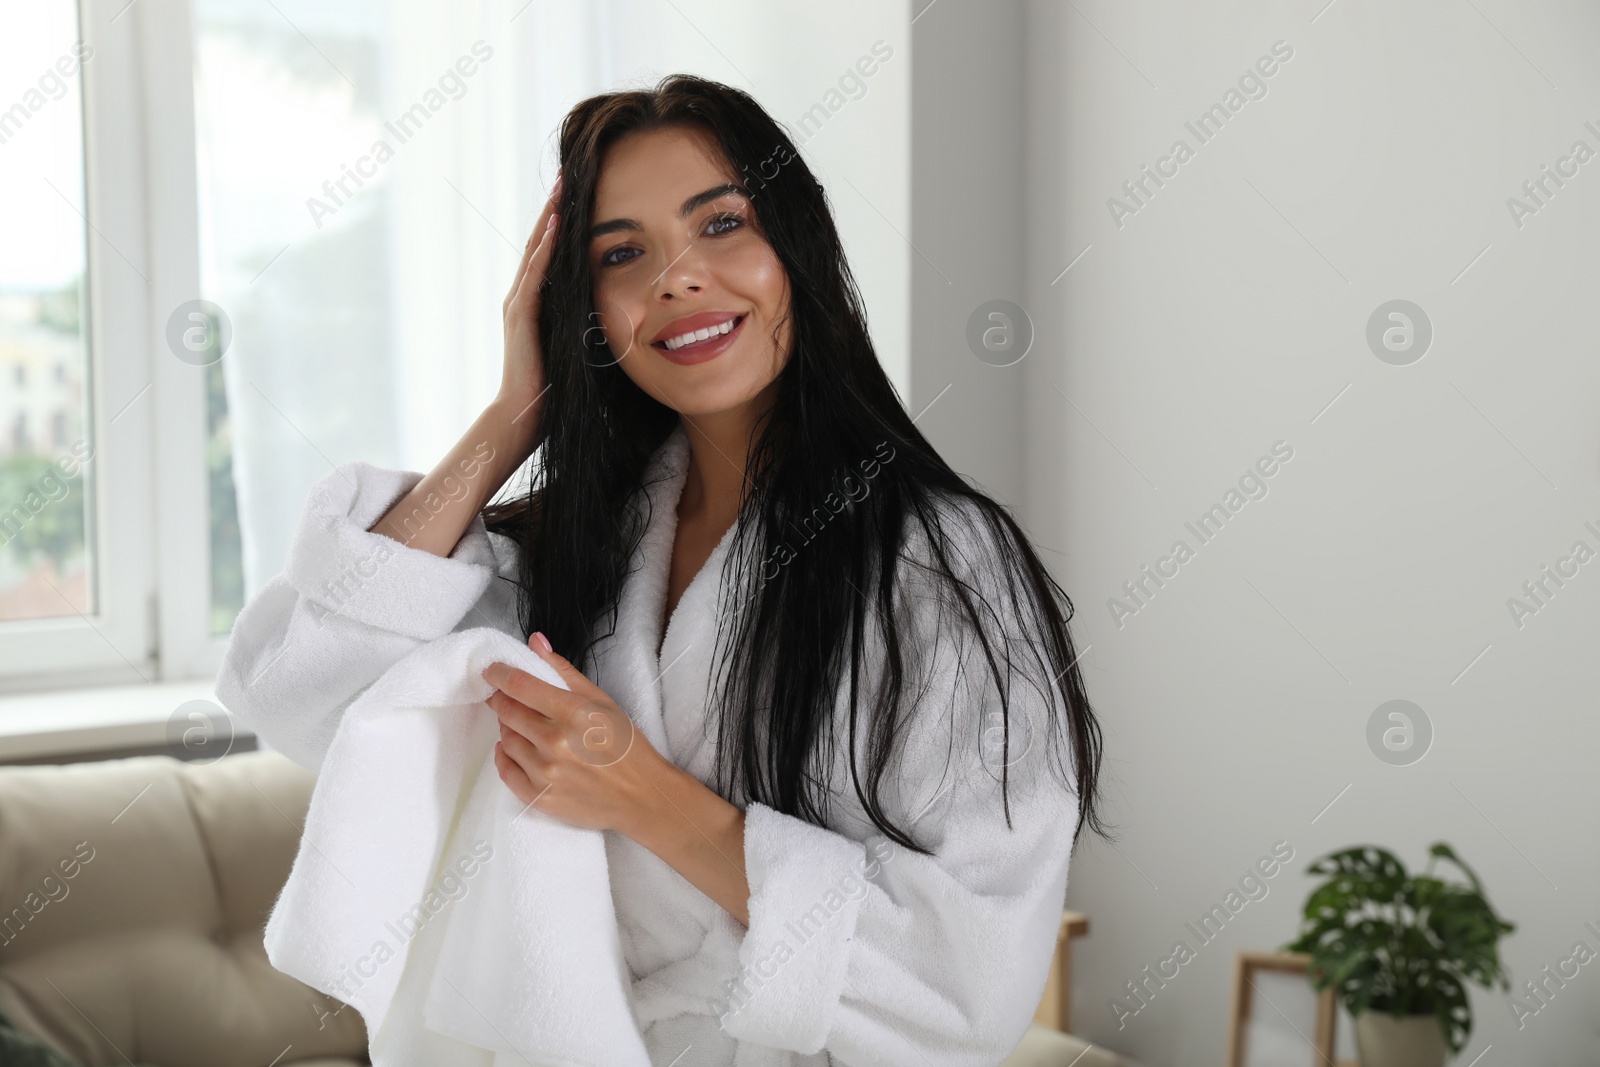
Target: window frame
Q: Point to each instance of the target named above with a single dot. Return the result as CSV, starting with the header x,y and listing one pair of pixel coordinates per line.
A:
x,y
148,509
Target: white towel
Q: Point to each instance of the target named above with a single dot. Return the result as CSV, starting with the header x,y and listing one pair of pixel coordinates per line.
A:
x,y
415,854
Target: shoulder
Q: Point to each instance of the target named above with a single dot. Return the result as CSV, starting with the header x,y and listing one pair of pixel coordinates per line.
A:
x,y
967,601
972,595
971,623
956,542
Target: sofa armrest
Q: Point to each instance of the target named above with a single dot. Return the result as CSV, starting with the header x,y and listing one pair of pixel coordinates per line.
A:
x,y
1055,1008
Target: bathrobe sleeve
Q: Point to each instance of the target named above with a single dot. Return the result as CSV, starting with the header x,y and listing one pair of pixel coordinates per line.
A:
x,y
349,605
882,955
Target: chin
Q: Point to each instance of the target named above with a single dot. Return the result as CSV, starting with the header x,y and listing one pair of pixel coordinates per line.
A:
x,y
704,399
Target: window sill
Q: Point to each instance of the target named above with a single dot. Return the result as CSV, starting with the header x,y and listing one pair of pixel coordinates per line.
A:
x,y
69,724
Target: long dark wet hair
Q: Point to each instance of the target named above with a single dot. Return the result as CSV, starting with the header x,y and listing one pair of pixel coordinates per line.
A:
x,y
818,569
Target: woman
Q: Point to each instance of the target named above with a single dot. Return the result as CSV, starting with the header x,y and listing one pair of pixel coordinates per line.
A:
x,y
863,670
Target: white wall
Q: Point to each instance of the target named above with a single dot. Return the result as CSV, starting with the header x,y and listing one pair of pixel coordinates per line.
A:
x,y
967,146
1225,316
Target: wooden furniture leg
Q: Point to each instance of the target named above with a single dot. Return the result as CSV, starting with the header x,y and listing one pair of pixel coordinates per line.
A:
x,y
1055,1008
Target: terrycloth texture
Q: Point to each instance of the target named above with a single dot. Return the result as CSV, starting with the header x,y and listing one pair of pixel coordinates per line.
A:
x,y
859,952
522,954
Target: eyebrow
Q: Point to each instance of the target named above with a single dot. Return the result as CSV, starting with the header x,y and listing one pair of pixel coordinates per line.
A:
x,y
695,202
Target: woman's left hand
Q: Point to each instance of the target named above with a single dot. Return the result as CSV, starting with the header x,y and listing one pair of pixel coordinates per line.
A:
x,y
571,754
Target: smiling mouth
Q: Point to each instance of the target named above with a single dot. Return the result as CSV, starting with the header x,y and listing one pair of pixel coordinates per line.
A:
x,y
693,342
700,337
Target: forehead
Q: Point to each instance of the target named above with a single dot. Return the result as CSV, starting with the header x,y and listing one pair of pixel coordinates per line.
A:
x,y
658,169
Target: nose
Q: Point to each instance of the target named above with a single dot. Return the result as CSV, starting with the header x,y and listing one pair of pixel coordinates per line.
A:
x,y
684,275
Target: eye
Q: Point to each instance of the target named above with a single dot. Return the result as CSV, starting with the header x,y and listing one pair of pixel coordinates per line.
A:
x,y
724,224
618,255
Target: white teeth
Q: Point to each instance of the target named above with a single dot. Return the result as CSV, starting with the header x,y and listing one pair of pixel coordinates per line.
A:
x,y
698,335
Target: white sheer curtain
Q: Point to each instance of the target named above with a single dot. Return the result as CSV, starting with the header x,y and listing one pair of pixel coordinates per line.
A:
x,y
370,328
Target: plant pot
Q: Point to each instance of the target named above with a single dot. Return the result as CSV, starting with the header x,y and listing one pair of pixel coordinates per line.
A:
x,y
1410,1041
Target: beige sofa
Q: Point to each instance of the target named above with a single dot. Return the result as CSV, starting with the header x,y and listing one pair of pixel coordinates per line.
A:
x,y
135,892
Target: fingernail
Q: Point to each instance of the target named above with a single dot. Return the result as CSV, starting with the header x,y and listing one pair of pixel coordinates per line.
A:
x,y
550,224
544,642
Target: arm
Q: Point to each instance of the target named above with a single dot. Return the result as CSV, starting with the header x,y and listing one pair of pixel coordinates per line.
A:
x,y
698,834
384,561
881,954
434,514
348,605
878,954
438,509
577,756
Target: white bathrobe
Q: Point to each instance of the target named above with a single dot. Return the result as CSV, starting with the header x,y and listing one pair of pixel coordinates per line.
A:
x,y
935,959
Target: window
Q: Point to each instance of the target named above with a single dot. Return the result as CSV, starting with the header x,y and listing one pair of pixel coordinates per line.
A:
x,y
308,298
75,461
46,566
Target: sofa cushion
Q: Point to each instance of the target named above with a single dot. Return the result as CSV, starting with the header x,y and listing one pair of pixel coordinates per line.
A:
x,y
18,1049
132,899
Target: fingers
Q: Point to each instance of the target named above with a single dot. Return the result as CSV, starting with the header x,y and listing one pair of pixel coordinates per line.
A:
x,y
524,296
549,207
538,696
528,736
522,268
538,264
576,680
527,752
525,716
541,237
516,776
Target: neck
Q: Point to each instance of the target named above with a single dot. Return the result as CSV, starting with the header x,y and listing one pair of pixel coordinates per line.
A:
x,y
715,484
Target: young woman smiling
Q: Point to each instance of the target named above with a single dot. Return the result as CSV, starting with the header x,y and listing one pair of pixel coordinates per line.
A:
x,y
732,527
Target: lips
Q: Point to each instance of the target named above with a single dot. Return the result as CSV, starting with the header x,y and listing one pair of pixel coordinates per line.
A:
x,y
698,337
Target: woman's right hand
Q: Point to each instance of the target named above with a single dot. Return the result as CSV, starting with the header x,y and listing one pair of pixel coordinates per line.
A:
x,y
522,381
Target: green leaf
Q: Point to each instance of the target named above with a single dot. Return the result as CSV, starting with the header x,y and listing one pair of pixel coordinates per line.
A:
x,y
1406,944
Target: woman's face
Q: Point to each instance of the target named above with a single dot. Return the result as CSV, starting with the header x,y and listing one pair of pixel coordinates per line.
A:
x,y
692,299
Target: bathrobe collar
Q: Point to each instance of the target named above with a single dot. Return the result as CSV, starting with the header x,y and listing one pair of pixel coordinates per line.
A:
x,y
666,694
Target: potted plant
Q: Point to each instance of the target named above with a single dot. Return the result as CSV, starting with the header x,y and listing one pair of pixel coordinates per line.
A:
x,y
1399,949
